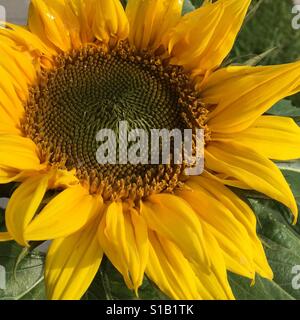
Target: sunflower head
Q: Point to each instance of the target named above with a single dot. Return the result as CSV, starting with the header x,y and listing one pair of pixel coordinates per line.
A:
x,y
95,88
82,66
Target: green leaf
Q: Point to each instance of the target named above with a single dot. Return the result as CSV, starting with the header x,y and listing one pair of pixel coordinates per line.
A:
x,y
109,285
197,3
262,289
291,171
282,246
24,281
285,108
188,6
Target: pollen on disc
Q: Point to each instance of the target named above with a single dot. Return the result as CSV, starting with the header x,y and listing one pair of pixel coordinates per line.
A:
x,y
92,89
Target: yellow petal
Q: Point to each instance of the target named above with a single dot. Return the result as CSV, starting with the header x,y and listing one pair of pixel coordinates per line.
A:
x,y
230,234
22,40
242,94
150,19
239,211
254,170
18,154
64,179
12,72
84,10
17,63
23,205
72,264
10,101
7,126
110,21
276,138
8,176
5,236
173,218
203,38
124,238
169,269
65,214
11,123
50,22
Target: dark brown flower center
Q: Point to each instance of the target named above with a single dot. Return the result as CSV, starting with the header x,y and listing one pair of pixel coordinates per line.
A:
x,y
93,89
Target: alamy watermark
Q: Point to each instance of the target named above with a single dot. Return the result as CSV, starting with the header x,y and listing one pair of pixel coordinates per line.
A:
x,y
2,16
296,278
2,278
296,18
155,146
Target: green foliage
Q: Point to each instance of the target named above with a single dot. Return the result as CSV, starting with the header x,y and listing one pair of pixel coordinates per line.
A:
x,y
270,27
109,285
24,274
285,108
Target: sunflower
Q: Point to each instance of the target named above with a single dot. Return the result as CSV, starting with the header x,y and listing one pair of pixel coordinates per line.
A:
x,y
82,65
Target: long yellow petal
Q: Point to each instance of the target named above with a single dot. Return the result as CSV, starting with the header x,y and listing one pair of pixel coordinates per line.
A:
x,y
72,264
5,236
18,154
14,64
84,10
241,213
8,175
19,63
231,235
27,43
242,94
10,100
123,236
204,37
216,282
276,138
150,19
23,205
169,269
65,214
110,21
173,218
254,170
54,23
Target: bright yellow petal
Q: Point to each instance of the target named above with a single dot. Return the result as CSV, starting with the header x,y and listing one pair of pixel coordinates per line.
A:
x,y
84,10
13,72
64,179
8,176
254,170
173,218
203,38
231,235
276,138
10,101
149,20
7,125
123,236
241,213
5,236
11,124
65,214
174,275
72,264
18,154
23,205
110,21
54,23
18,64
22,40
242,94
